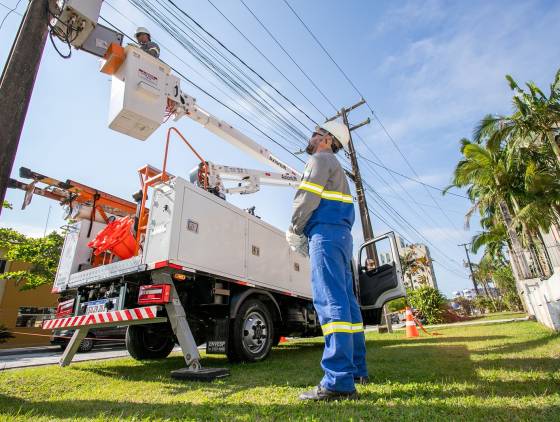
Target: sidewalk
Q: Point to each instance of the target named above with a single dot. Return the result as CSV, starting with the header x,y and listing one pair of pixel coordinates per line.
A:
x,y
458,324
28,350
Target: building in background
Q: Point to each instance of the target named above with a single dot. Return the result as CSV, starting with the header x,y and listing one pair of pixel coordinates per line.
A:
x,y
22,312
416,261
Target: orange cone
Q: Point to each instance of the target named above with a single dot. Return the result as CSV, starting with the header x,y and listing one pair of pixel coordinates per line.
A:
x,y
411,330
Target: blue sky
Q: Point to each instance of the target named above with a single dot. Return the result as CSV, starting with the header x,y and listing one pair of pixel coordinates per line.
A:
x,y
430,69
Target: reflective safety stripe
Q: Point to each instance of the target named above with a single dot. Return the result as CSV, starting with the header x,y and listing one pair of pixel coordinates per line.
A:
x,y
311,187
336,196
342,327
325,194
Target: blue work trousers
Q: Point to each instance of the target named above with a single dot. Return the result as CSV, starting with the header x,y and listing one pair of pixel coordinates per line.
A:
x,y
344,357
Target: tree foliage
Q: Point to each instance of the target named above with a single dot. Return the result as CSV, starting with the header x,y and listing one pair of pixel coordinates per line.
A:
x,y
505,281
429,302
42,254
511,171
396,304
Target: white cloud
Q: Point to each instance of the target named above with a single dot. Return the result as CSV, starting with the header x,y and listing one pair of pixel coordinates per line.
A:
x,y
451,78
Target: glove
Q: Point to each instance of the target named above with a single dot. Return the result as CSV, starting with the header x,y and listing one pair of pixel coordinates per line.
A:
x,y
298,243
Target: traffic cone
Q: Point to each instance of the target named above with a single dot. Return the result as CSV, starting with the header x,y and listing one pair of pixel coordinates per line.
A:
x,y
411,330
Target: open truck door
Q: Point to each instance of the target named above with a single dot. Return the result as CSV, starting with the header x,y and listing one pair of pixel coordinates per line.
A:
x,y
376,286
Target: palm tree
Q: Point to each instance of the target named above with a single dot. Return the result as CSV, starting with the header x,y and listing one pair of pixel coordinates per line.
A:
x,y
487,173
535,120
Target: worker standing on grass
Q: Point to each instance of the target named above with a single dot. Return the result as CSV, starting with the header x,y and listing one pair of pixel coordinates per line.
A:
x,y
323,215
145,40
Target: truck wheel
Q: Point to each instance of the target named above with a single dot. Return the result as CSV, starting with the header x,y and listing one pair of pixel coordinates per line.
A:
x,y
149,342
252,333
86,345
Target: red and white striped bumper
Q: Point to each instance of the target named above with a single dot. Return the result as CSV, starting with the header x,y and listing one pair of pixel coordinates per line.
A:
x,y
104,318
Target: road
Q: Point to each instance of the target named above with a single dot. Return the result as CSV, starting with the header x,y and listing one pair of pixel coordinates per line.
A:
x,y
51,355
35,356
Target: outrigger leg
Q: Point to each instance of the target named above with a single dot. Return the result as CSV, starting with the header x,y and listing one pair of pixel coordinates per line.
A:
x,y
194,370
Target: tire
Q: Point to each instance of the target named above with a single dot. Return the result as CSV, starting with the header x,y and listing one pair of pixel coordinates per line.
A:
x,y
85,345
252,333
149,342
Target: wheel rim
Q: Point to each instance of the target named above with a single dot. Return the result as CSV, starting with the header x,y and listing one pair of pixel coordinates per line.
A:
x,y
255,333
154,341
86,344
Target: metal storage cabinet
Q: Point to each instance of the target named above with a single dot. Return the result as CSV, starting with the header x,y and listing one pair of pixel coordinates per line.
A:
x,y
198,230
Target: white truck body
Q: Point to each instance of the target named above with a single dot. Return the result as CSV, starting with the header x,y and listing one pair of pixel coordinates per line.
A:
x,y
202,232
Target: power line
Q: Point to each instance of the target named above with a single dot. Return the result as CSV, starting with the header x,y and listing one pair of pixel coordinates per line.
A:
x,y
409,224
12,10
390,207
169,51
369,107
324,49
227,73
288,54
410,178
266,58
216,99
193,70
435,248
242,61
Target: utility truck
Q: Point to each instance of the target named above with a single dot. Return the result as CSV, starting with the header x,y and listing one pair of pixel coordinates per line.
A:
x,y
180,264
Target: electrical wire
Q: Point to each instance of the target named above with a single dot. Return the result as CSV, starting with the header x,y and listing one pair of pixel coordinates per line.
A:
x,y
12,10
209,56
387,207
253,116
373,113
410,178
288,54
243,62
201,89
267,59
258,88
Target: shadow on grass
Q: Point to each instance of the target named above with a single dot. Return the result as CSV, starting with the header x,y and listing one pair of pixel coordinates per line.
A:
x,y
518,346
424,365
429,377
361,410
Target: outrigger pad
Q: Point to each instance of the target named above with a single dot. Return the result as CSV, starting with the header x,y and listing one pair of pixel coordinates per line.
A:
x,y
203,374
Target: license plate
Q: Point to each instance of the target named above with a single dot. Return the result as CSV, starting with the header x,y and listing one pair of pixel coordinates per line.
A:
x,y
96,306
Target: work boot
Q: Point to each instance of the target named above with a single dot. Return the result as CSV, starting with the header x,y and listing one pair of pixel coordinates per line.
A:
x,y
361,380
320,393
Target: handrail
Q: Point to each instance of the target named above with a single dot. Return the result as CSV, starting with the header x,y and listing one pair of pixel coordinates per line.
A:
x,y
162,177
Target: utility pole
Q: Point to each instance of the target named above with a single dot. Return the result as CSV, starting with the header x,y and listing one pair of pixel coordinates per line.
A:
x,y
470,267
357,178
17,82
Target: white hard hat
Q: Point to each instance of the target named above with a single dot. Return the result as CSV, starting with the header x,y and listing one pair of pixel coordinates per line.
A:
x,y
339,130
142,30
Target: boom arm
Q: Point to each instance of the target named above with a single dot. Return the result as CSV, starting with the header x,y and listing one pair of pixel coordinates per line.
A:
x,y
187,106
248,180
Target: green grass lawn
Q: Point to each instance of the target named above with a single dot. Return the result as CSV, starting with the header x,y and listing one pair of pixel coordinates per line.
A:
x,y
488,372
499,315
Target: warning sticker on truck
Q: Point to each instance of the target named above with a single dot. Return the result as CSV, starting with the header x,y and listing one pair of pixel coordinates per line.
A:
x,y
148,77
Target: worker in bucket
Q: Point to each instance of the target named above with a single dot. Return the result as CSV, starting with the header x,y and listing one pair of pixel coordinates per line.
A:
x,y
145,40
323,215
